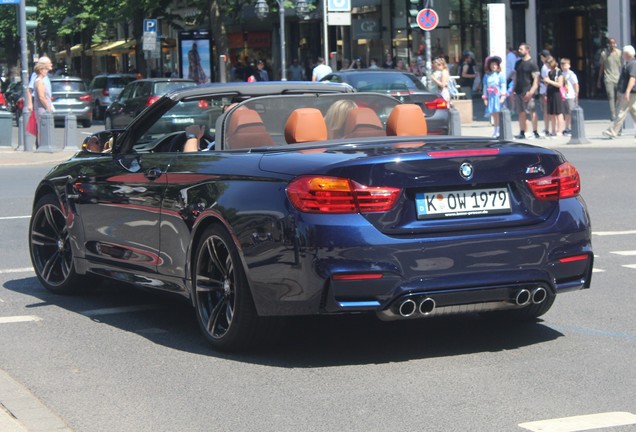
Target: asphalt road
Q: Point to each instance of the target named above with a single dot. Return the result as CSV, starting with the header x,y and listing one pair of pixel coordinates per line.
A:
x,y
146,368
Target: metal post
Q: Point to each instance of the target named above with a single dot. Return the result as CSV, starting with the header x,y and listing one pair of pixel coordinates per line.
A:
x,y
70,131
429,64
45,133
505,125
24,64
26,141
455,123
281,14
325,30
578,127
222,68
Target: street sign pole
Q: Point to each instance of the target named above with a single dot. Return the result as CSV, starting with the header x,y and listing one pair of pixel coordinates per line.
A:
x,y
325,30
427,20
24,73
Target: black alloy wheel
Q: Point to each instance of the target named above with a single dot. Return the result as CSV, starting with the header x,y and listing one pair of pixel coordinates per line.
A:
x,y
224,306
50,247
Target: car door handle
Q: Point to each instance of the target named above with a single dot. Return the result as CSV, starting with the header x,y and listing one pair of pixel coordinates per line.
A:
x,y
153,173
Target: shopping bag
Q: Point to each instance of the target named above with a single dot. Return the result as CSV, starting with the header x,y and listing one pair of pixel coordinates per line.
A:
x,y
32,124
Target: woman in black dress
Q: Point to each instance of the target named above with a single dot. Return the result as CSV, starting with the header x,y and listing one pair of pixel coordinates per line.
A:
x,y
555,104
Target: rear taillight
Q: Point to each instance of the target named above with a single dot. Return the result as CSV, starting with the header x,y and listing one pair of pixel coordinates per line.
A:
x,y
203,104
105,92
439,103
564,182
86,98
151,100
311,194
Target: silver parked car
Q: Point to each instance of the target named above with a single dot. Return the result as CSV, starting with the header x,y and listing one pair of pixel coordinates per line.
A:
x,y
105,88
70,96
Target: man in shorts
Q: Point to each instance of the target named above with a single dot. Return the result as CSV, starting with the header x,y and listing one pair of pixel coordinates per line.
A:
x,y
526,83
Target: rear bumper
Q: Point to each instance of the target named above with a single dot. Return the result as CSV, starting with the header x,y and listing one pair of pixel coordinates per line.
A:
x,y
352,267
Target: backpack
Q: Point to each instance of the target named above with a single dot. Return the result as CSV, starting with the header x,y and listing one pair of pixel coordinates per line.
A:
x,y
452,88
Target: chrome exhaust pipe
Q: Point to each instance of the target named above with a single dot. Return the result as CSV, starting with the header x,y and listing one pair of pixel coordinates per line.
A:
x,y
539,295
407,308
427,306
523,297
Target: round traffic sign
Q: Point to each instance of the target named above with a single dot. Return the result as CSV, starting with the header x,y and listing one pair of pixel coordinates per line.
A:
x,y
427,19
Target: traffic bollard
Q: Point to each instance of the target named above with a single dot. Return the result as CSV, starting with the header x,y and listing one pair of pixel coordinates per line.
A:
x,y
45,133
70,131
578,127
222,68
505,125
6,120
454,122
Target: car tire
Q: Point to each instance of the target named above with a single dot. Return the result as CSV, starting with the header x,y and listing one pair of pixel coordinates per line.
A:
x,y
224,306
108,123
86,123
50,247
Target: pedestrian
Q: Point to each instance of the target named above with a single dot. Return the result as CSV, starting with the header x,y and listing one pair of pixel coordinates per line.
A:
x,y
626,92
44,60
511,61
610,70
526,84
261,73
399,65
42,101
388,62
554,99
374,64
494,91
321,70
467,73
440,78
543,88
295,72
414,68
571,82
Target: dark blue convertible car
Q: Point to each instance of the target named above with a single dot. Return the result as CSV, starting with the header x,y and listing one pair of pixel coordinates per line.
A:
x,y
309,199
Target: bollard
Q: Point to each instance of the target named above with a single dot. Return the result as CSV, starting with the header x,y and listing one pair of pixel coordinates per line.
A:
x,y
45,133
222,68
6,124
70,131
505,125
454,123
578,127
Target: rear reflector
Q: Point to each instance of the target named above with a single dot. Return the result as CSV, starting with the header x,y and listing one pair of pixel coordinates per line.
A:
x,y
439,103
564,182
463,153
203,104
152,99
312,194
574,258
357,276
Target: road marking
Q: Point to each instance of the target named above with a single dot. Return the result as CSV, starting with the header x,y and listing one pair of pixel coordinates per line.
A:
x,y
118,310
582,423
17,270
14,217
593,331
596,270
20,318
630,266
613,233
625,253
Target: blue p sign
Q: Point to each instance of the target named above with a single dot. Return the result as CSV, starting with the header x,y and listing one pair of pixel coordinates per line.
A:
x,y
150,26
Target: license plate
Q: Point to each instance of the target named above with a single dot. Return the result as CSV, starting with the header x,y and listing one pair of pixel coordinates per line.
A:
x,y
463,203
183,120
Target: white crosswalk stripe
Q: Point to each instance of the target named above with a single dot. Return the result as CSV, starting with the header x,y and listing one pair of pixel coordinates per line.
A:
x,y
19,319
625,253
582,423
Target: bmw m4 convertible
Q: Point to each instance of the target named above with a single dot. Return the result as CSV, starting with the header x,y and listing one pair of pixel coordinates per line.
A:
x,y
308,198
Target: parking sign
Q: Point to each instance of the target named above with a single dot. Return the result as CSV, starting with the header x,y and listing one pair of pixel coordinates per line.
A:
x,y
150,26
339,5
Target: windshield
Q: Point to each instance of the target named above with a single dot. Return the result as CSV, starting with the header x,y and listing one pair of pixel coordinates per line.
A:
x,y
161,88
384,82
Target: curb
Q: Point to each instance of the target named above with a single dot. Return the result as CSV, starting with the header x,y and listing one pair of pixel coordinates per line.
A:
x,y
21,411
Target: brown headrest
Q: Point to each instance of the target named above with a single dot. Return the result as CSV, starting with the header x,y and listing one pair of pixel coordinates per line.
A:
x,y
242,118
363,122
305,125
406,120
246,130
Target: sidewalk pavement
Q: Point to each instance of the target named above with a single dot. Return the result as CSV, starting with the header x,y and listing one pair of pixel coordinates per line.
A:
x,y
595,112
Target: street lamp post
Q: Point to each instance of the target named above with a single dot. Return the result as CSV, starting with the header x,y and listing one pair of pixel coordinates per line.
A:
x,y
262,10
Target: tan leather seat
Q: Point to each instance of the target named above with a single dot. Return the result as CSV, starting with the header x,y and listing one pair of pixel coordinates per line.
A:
x,y
363,122
406,120
305,125
246,130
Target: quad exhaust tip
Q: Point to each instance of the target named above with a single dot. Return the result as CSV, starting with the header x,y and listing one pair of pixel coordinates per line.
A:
x,y
539,295
407,308
427,306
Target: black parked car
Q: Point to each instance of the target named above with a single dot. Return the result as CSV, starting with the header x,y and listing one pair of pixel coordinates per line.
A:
x,y
138,95
404,86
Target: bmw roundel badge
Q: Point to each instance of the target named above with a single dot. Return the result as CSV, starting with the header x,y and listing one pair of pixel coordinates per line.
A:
x,y
466,171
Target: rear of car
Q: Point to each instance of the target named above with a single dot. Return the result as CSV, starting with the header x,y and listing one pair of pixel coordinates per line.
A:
x,y
70,96
105,88
405,87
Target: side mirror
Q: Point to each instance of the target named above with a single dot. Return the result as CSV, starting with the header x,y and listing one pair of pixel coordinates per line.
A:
x,y
101,142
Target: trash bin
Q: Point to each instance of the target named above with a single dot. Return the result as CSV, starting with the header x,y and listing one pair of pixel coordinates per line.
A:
x,y
6,124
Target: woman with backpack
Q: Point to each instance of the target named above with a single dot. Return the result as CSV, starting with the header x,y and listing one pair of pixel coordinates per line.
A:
x,y
494,91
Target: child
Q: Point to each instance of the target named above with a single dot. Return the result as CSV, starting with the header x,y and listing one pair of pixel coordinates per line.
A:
x,y
494,91
572,96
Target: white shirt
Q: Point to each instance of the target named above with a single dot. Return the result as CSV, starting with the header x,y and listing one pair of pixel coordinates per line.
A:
x,y
321,71
543,87
572,80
